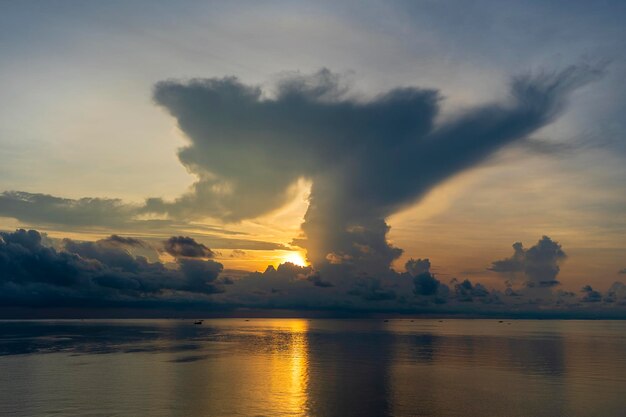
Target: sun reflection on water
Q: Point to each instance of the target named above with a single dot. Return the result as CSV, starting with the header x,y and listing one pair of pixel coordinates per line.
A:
x,y
288,371
299,365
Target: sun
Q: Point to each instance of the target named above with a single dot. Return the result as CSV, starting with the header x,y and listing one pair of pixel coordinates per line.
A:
x,y
295,258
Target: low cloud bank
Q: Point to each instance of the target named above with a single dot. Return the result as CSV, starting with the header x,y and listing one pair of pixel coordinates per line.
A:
x,y
94,273
106,273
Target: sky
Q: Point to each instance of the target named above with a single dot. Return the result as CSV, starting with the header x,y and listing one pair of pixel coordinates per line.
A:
x,y
429,156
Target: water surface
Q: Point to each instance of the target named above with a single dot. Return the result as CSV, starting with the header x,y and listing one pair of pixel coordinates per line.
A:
x,y
297,367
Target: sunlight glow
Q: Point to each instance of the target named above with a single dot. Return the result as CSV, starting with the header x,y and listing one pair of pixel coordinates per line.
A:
x,y
295,258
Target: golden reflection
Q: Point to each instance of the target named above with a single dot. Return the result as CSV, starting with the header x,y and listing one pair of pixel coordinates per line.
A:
x,y
298,357
289,366
264,370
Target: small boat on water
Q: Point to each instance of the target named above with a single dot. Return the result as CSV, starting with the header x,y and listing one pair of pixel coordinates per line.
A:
x,y
198,322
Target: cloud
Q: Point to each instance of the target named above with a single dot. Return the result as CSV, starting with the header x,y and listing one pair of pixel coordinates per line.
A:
x,y
426,284
184,246
616,293
32,273
317,280
100,274
417,266
590,295
23,259
466,291
124,241
371,289
97,213
47,209
424,281
539,264
366,159
200,275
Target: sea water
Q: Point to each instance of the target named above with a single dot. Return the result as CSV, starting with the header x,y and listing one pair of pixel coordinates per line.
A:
x,y
317,367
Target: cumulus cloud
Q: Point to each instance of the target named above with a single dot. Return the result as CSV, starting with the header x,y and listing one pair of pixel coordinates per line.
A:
x,y
424,281
23,259
539,264
32,273
426,284
200,275
417,266
616,293
184,246
590,295
466,291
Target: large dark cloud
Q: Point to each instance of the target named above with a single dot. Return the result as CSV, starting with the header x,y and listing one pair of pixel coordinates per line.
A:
x,y
24,260
366,158
539,264
424,281
185,246
32,273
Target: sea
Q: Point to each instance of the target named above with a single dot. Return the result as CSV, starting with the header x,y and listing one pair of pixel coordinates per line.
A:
x,y
313,367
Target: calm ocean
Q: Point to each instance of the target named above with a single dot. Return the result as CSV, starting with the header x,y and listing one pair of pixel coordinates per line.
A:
x,y
299,367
